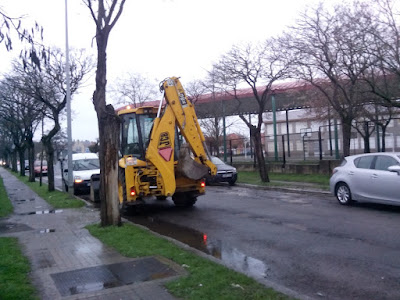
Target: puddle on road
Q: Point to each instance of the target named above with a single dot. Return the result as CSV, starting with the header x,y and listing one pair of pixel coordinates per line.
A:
x,y
201,241
13,227
47,230
43,212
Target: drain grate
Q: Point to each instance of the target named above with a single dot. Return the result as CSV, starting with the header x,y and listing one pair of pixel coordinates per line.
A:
x,y
109,276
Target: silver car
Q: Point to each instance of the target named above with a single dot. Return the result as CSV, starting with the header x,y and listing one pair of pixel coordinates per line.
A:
x,y
370,177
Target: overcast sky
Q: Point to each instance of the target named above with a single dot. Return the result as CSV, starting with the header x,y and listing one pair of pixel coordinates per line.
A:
x,y
157,38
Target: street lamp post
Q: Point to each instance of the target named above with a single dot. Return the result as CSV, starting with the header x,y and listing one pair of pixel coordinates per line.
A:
x,y
69,122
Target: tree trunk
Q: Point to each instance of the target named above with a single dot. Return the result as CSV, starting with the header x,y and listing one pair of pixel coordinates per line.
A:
x,y
383,138
21,154
14,161
108,126
108,123
258,147
346,135
31,158
50,163
367,148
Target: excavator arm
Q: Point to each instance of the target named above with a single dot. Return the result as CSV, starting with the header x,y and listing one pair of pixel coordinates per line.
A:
x,y
178,111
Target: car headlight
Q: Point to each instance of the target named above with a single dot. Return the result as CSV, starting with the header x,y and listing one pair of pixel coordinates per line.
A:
x,y
77,179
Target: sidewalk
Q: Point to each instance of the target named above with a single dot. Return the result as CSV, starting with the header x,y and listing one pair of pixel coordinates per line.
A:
x,y
67,262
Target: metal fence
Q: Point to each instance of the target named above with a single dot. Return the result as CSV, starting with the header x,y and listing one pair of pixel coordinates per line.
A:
x,y
323,144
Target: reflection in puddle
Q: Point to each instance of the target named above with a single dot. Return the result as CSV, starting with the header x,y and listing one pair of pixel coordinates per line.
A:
x,y
47,230
231,256
235,258
92,287
43,212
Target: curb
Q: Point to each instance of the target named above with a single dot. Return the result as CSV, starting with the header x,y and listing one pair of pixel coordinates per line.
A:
x,y
284,189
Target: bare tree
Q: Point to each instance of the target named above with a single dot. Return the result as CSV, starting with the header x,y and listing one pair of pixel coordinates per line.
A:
x,y
5,144
195,89
213,126
257,67
48,87
383,77
134,89
26,115
329,50
105,15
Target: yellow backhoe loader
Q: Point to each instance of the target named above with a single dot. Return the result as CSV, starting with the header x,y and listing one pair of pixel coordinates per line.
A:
x,y
163,152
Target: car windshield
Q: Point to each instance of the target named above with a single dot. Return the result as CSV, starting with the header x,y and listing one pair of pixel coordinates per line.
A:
x,y
86,164
216,161
37,163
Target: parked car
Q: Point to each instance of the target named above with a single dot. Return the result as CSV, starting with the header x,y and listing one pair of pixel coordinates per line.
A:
x,y
371,177
36,168
26,165
225,173
84,166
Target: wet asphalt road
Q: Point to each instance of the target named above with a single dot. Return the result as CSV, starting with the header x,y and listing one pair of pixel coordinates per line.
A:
x,y
305,242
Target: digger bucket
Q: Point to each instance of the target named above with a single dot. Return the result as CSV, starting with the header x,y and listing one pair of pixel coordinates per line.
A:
x,y
187,167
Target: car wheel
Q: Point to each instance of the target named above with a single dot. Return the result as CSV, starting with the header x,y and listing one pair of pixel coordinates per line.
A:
x,y
232,182
343,194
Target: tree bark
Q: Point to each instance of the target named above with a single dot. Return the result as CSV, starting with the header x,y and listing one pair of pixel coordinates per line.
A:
x,y
21,152
31,159
108,126
383,138
108,123
346,134
48,145
14,161
367,148
258,147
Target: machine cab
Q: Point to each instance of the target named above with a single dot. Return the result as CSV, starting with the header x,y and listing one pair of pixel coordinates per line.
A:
x,y
136,129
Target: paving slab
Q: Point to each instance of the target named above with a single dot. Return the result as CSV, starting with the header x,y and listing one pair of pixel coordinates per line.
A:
x,y
56,242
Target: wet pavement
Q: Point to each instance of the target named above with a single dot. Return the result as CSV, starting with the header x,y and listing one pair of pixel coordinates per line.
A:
x,y
229,255
68,263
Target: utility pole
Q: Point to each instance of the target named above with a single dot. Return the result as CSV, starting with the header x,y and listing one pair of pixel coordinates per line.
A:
x,y
69,122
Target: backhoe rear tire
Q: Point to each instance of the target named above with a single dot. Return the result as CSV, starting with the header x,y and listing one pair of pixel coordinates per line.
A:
x,y
184,199
122,190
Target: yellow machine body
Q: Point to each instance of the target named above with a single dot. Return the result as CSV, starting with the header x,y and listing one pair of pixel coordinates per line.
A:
x,y
154,161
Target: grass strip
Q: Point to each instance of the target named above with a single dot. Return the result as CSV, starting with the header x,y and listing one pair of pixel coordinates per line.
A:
x,y
206,279
253,177
14,270
6,207
56,199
